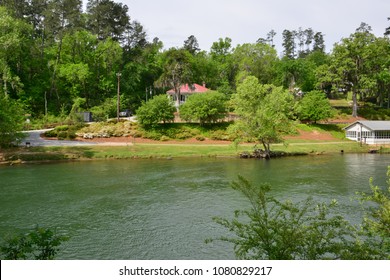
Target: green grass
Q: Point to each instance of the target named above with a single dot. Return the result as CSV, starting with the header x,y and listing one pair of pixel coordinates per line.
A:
x,y
323,148
336,130
173,151
165,151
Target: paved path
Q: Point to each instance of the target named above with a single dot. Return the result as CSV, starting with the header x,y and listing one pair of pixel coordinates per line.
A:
x,y
35,139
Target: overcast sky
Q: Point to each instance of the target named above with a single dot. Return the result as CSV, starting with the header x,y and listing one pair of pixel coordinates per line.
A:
x,y
244,21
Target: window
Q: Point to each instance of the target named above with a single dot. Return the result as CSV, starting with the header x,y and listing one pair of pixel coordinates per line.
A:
x,y
351,134
382,134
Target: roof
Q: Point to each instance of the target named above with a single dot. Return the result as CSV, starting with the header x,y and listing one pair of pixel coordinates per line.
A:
x,y
373,125
194,88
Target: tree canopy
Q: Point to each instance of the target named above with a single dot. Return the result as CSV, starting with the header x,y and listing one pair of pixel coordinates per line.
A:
x,y
264,111
51,52
205,108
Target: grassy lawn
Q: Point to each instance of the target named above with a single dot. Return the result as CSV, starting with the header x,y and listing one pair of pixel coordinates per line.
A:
x,y
172,151
323,147
315,146
165,151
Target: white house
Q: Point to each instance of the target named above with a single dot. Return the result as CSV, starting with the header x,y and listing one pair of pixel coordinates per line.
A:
x,y
369,132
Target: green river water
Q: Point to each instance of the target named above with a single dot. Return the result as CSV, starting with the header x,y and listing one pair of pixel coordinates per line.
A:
x,y
163,209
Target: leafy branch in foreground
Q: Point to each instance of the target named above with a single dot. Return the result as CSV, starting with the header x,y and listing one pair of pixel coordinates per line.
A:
x,y
277,230
38,244
376,222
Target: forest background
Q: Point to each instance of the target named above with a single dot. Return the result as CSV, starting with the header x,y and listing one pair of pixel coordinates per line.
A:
x,y
56,58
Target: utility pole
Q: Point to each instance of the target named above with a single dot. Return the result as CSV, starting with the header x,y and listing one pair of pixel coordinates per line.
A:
x,y
118,75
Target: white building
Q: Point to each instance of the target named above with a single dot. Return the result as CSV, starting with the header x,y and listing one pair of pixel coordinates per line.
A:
x,y
369,132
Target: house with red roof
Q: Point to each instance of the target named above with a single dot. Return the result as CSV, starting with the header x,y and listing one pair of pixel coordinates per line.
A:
x,y
185,91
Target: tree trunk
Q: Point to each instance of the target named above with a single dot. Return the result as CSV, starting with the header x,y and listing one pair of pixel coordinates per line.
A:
x,y
267,149
355,103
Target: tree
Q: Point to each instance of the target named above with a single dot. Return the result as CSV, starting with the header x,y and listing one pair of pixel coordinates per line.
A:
x,y
205,108
286,230
191,45
264,112
38,244
257,60
319,42
156,110
295,74
387,31
13,40
289,43
177,70
107,19
314,106
349,63
222,57
11,122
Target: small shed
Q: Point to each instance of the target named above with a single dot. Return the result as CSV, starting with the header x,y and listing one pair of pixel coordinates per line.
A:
x,y
369,132
85,116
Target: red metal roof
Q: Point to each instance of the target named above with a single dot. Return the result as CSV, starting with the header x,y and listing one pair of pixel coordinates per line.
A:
x,y
194,88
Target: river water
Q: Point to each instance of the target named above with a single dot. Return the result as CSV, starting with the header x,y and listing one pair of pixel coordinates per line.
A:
x,y
163,209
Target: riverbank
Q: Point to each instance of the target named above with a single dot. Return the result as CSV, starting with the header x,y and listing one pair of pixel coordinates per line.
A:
x,y
172,150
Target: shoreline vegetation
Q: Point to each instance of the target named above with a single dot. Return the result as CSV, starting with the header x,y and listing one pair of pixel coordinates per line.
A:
x,y
22,155
214,141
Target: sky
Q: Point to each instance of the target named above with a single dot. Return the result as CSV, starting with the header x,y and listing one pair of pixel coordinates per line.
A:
x,y
245,21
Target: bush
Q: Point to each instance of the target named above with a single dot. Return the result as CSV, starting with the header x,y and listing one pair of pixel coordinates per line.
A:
x,y
157,110
106,110
277,230
164,138
314,106
205,108
61,135
11,122
64,132
39,244
220,135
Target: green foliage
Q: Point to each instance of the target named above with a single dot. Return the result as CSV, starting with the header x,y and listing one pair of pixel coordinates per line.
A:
x,y
14,38
373,113
39,244
11,122
107,109
314,106
54,53
257,60
264,111
205,108
276,230
64,131
109,129
177,70
376,222
159,109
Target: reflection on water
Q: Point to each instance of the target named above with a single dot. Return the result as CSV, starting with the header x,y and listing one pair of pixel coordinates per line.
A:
x,y
163,209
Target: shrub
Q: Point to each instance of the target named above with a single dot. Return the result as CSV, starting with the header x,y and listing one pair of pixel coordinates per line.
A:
x,y
11,122
39,244
157,110
164,138
220,135
205,108
61,135
314,106
273,229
